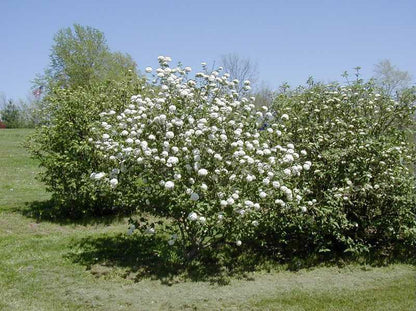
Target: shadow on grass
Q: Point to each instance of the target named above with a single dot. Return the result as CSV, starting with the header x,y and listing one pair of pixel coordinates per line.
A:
x,y
140,256
143,256
48,211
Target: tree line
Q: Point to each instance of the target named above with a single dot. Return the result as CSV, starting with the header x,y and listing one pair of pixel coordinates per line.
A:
x,y
80,57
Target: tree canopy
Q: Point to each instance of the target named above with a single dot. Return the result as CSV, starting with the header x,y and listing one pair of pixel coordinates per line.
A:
x,y
390,78
80,55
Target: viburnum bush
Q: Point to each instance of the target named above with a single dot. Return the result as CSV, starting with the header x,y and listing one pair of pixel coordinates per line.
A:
x,y
361,144
197,152
61,145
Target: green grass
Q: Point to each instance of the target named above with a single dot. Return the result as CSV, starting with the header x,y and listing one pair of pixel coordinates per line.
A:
x,y
47,265
17,171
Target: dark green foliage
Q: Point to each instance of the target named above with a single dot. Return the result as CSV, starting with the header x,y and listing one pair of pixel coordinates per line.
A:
x,y
83,79
63,149
362,172
10,115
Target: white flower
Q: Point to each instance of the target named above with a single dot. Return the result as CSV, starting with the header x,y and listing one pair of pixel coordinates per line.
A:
x,y
280,202
285,117
255,223
204,187
276,184
303,209
202,220
150,230
97,176
171,242
248,203
238,243
263,194
113,183
193,216
288,158
217,157
148,69
106,136
250,178
169,185
202,172
194,196
175,149
287,171
172,160
170,135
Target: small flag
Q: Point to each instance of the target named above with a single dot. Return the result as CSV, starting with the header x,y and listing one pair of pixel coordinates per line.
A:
x,y
37,92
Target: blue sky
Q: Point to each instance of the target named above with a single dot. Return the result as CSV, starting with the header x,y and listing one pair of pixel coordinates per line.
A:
x,y
289,40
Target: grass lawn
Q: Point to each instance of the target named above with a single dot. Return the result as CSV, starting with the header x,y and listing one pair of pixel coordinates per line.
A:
x,y
71,266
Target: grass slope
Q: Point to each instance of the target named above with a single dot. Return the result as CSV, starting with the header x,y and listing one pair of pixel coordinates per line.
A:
x,y
71,266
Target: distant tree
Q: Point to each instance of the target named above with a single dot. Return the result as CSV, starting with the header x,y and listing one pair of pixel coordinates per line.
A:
x,y
390,78
263,96
81,56
29,112
239,68
10,115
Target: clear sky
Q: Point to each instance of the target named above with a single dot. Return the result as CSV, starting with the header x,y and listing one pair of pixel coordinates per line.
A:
x,y
290,40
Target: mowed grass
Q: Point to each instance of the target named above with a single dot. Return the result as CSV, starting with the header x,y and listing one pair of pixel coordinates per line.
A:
x,y
48,265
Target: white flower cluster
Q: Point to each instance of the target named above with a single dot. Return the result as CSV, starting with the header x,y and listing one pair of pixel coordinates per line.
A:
x,y
200,142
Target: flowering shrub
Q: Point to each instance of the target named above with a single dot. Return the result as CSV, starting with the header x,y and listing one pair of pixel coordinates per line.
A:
x,y
194,151
63,150
362,175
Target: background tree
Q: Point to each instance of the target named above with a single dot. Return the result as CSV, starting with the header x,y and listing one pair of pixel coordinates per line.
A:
x,y
80,56
10,115
264,95
239,68
21,113
390,78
